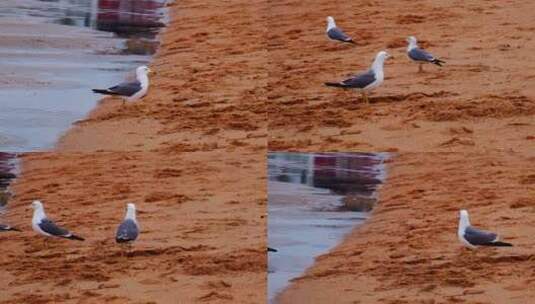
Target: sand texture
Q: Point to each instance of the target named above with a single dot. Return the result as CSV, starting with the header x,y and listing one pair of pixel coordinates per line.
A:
x,y
481,100
408,251
191,155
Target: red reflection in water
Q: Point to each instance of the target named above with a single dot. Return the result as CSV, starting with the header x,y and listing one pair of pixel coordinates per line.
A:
x,y
125,16
346,173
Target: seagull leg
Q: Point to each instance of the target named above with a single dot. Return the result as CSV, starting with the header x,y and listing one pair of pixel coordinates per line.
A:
x,y
365,97
421,68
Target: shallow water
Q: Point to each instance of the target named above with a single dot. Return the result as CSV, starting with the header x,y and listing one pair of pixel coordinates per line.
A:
x,y
306,213
54,52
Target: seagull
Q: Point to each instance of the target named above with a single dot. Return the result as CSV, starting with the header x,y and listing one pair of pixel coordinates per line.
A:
x,y
7,228
365,81
269,249
41,224
130,91
128,231
335,33
417,54
472,237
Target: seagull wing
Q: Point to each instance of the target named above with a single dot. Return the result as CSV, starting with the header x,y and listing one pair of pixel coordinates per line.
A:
x,y
361,80
127,231
51,228
418,54
479,237
126,88
337,34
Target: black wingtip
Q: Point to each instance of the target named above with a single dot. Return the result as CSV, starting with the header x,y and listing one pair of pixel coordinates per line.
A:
x,y
76,238
100,91
502,244
8,228
498,244
269,249
351,41
438,62
334,84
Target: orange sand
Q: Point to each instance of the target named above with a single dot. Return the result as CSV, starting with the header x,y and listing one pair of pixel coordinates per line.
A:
x,y
482,100
481,103
191,155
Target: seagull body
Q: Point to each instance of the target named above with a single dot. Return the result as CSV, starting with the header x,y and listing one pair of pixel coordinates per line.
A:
x,y
418,55
335,33
365,81
41,224
472,237
128,230
7,228
130,91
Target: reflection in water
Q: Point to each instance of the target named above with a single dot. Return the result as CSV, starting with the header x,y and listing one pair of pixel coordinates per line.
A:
x,y
48,68
138,21
8,165
342,173
307,194
129,18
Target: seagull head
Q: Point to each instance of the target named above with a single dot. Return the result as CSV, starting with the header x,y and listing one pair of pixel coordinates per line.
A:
x,y
330,23
383,55
37,205
131,211
464,220
412,41
143,70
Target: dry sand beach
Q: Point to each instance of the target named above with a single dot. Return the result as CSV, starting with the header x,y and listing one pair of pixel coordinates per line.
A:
x,y
191,154
481,100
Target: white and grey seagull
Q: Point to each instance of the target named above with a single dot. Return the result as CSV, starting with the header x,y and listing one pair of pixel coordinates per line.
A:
x,y
335,33
365,81
4,227
472,237
420,56
128,230
42,225
130,91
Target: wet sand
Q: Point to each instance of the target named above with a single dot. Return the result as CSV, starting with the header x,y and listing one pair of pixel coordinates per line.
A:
x,y
481,103
481,100
191,155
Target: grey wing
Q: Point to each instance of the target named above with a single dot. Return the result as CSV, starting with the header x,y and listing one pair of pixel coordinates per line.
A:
x,y
51,228
479,237
4,227
420,55
126,88
361,80
337,34
127,231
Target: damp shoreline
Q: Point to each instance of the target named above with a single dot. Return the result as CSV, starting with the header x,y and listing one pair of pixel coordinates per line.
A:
x,y
314,201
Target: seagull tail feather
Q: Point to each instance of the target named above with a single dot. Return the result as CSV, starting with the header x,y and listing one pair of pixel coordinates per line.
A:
x,y
104,92
15,229
335,84
269,249
499,244
75,237
438,62
350,41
